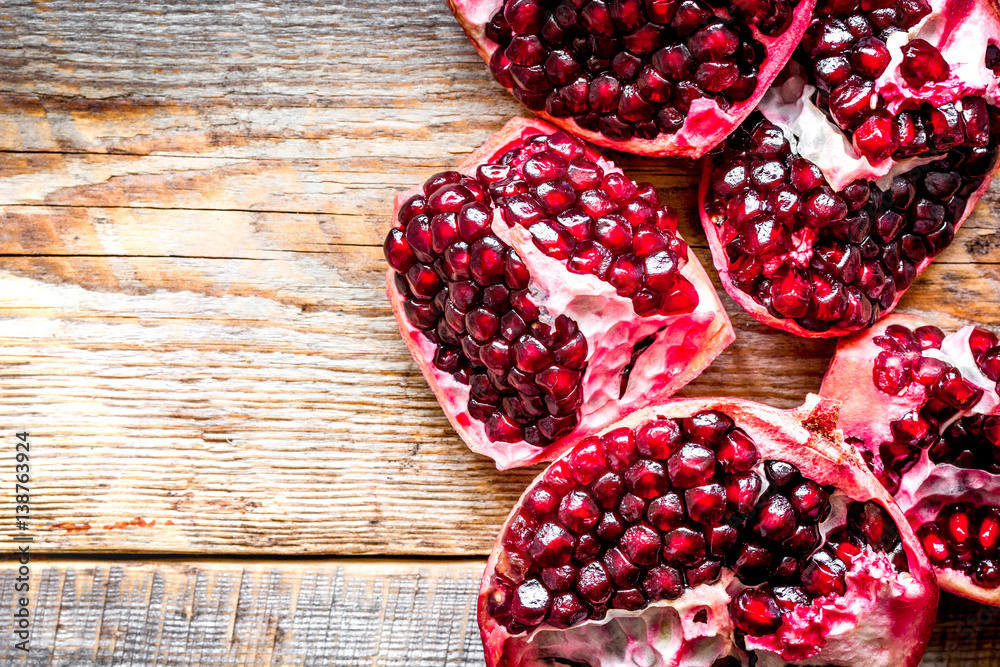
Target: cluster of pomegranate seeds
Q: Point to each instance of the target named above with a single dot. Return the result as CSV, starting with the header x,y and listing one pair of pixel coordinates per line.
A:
x,y
846,47
639,515
833,259
468,291
940,424
631,68
965,538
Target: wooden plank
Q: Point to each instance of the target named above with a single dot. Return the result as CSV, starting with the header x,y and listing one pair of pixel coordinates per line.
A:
x,y
208,614
316,612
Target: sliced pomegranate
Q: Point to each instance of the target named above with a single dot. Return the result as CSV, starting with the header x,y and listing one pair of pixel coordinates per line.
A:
x,y
544,294
652,77
925,408
708,533
822,209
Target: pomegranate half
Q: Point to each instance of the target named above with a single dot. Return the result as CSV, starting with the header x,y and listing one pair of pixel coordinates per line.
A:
x,y
708,533
925,409
652,77
545,295
865,158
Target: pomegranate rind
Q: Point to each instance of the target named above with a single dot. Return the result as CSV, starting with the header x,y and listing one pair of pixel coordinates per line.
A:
x,y
806,436
705,125
866,414
684,346
758,311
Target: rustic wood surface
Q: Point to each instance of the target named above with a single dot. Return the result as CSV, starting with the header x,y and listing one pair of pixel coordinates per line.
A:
x,y
210,613
193,327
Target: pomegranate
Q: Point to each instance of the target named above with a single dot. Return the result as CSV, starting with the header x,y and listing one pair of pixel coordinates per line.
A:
x,y
652,77
708,533
544,294
864,160
925,409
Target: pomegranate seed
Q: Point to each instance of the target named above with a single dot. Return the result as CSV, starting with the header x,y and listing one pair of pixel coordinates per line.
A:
x,y
622,571
988,531
646,479
934,545
737,452
720,539
755,612
619,449
667,511
663,583
641,544
873,524
540,502
775,519
877,137
706,504
692,465
922,63
803,541
870,57
742,491
552,545
789,597
683,546
825,574
658,439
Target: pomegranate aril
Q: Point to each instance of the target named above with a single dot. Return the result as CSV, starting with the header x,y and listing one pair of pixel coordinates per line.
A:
x,y
692,465
683,546
666,512
593,583
530,603
752,563
622,571
776,518
824,574
742,491
755,612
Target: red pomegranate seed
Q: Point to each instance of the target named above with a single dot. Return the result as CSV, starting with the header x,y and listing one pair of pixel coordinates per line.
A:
x,y
922,62
692,465
742,491
825,574
683,546
755,612
706,504
530,603
666,512
775,519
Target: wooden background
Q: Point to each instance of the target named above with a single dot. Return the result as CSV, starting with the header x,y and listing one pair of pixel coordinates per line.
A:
x,y
235,461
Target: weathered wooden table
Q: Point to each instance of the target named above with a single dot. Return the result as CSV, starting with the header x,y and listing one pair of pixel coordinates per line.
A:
x,y
234,460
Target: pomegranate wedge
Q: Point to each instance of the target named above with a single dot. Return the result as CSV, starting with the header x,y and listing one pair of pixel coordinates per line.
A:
x,y
652,77
925,409
545,295
708,533
863,162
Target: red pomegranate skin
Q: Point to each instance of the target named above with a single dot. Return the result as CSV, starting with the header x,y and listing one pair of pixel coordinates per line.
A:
x,y
704,124
888,627
685,342
948,477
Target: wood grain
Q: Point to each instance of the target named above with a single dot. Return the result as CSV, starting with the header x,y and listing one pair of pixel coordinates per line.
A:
x,y
192,200
346,613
